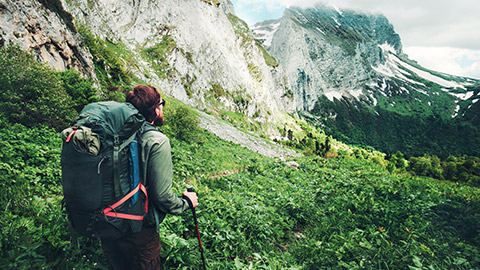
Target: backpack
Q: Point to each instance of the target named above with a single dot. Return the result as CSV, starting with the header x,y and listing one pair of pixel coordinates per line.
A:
x,y
103,194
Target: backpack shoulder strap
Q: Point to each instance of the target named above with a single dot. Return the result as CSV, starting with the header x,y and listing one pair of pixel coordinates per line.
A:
x,y
117,147
147,128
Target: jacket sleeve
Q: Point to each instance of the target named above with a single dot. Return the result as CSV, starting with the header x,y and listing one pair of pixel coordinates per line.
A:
x,y
159,180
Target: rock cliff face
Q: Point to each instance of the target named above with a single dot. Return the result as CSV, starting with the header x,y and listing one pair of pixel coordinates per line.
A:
x,y
326,51
343,53
350,77
213,62
36,27
197,51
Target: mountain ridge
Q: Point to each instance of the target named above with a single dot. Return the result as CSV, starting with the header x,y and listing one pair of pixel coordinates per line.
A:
x,y
211,64
342,70
344,61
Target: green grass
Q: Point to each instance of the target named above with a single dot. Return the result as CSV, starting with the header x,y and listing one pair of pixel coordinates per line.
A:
x,y
255,212
158,55
112,61
269,60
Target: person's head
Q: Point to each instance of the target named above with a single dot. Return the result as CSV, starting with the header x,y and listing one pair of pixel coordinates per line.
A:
x,y
148,102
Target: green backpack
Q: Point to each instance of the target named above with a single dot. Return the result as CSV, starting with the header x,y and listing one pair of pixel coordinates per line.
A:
x,y
103,194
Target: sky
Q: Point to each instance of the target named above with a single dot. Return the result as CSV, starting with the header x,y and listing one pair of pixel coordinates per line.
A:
x,y
442,35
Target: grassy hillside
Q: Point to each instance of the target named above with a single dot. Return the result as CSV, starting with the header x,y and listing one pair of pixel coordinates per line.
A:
x,y
390,131
343,212
255,212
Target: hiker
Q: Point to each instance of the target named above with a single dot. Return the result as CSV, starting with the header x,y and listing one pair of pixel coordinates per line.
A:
x,y
142,250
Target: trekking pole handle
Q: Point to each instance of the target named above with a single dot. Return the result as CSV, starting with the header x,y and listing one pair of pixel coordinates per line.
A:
x,y
190,203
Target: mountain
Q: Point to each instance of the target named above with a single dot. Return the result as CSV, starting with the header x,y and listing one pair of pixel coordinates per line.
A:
x,y
196,51
350,76
342,70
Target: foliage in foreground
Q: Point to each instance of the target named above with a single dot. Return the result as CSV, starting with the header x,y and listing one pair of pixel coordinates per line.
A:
x,y
33,94
261,214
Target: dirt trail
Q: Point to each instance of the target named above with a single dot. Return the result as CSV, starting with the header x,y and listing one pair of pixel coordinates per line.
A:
x,y
229,133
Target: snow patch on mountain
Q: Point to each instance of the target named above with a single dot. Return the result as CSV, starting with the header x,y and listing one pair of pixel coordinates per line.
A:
x,y
265,34
333,95
395,67
462,96
391,69
428,76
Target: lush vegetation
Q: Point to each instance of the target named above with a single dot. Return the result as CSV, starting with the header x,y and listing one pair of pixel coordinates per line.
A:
x,y
350,209
389,131
255,212
111,67
35,95
464,169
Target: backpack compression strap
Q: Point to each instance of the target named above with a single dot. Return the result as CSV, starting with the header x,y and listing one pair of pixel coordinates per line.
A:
x,y
109,211
117,147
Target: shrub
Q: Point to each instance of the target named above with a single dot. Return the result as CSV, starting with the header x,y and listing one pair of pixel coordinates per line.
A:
x,y
380,161
80,89
217,90
32,93
396,162
425,166
109,68
182,123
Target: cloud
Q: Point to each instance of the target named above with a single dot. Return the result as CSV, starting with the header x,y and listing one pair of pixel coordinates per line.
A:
x,y
448,60
427,22
443,32
443,22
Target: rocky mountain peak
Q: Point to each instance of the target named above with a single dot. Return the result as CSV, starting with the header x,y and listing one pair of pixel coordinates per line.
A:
x,y
350,76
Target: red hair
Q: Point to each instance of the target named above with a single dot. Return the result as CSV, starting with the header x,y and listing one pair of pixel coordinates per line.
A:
x,y
146,99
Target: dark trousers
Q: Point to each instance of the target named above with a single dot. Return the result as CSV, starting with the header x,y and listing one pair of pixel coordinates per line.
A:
x,y
137,251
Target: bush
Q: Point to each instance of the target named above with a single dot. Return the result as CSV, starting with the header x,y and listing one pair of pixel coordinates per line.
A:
x,y
464,169
425,166
32,93
396,162
80,89
380,161
182,123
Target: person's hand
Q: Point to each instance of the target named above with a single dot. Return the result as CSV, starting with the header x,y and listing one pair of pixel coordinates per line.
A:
x,y
192,196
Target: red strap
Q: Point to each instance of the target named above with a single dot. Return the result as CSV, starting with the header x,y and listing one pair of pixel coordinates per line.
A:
x,y
71,134
109,210
124,216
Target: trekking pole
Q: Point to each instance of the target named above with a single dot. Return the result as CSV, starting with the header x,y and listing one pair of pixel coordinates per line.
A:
x,y
190,189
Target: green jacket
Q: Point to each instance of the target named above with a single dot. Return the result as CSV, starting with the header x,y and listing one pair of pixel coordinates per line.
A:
x,y
156,169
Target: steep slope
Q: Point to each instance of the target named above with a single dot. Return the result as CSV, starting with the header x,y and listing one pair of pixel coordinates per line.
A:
x,y
196,51
350,77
